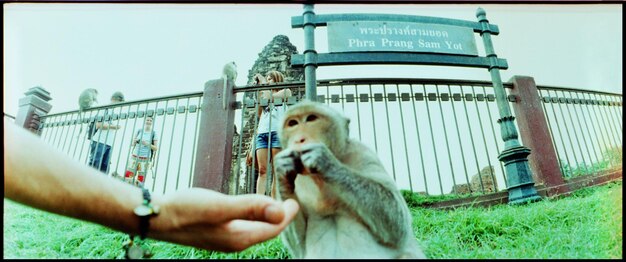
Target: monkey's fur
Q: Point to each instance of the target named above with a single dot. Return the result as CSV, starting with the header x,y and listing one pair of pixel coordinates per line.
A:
x,y
229,73
86,100
350,206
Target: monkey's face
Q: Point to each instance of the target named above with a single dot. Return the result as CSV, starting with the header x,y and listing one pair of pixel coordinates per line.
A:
x,y
310,122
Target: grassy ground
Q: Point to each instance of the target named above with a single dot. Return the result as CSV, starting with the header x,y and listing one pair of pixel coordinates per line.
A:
x,y
585,225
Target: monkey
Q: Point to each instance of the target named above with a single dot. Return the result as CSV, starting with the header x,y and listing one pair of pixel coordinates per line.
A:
x,y
349,205
229,73
86,100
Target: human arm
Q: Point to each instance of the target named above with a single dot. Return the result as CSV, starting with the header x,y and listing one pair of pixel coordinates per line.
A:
x,y
195,217
104,126
153,145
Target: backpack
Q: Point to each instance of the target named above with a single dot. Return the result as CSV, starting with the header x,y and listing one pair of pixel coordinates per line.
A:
x,y
91,130
151,139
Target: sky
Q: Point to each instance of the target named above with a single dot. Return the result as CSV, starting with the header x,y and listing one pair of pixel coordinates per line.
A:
x,y
149,50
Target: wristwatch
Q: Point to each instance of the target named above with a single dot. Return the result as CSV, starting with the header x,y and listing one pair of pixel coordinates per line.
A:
x,y
144,211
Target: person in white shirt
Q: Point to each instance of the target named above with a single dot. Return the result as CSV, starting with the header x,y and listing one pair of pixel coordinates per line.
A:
x,y
144,144
102,140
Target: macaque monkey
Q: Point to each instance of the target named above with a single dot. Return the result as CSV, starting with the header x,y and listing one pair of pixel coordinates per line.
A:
x,y
86,100
229,73
349,205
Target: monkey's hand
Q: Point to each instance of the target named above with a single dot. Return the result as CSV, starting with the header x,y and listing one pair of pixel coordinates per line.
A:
x,y
317,158
287,165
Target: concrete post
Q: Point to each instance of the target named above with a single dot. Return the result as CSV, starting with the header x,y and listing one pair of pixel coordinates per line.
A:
x,y
31,107
535,134
214,148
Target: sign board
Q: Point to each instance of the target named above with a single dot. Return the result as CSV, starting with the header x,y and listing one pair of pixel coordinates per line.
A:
x,y
360,36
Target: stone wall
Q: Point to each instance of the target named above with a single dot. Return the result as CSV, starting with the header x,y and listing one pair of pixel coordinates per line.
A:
x,y
486,176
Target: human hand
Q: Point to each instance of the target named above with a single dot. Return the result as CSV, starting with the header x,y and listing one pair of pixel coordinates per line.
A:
x,y
258,79
211,220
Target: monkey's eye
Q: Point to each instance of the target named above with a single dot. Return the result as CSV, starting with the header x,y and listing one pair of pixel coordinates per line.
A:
x,y
292,122
311,118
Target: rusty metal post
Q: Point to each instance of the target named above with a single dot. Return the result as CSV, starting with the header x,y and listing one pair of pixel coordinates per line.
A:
x,y
33,106
214,148
533,129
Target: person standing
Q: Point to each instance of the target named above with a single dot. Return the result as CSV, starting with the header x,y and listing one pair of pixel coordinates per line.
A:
x,y
102,140
267,131
144,146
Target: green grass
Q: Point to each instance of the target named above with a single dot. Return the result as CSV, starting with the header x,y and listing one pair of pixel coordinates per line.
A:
x,y
587,224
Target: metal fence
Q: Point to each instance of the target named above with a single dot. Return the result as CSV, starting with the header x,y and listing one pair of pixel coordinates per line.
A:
x,y
586,128
434,137
175,121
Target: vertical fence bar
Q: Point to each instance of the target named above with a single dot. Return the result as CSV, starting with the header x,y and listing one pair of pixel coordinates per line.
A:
x,y
604,131
614,115
119,154
169,153
558,126
371,99
393,166
576,101
72,137
588,122
495,139
419,141
182,143
195,140
469,127
358,111
66,123
432,139
569,114
458,134
612,125
445,134
238,163
482,132
406,153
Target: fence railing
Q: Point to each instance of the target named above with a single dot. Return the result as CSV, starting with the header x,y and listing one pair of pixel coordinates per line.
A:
x,y
433,136
586,127
175,121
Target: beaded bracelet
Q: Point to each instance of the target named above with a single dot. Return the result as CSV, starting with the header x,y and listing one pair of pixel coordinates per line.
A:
x,y
144,212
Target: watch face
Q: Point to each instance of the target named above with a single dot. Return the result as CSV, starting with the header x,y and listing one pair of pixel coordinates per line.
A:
x,y
135,252
143,211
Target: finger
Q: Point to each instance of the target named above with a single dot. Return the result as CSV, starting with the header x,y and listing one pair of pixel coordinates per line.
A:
x,y
252,207
253,232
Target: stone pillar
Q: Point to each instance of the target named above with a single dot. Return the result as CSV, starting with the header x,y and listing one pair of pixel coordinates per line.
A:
x,y
535,135
214,149
31,107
